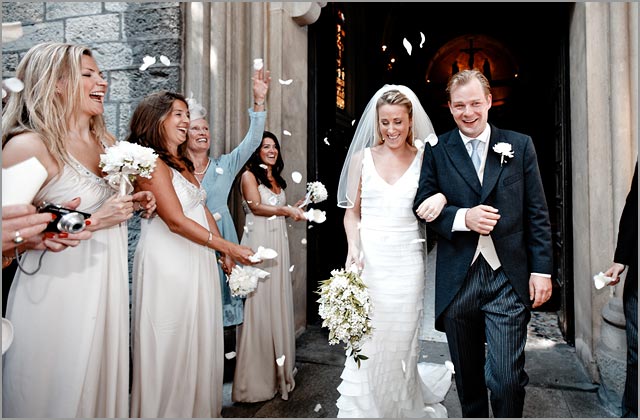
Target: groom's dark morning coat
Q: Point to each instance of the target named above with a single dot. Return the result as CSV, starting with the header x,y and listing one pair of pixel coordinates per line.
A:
x,y
522,236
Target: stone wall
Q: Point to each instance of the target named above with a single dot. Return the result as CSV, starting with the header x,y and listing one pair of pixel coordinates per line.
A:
x,y
120,35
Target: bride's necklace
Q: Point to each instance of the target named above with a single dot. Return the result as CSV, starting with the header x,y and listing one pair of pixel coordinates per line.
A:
x,y
205,168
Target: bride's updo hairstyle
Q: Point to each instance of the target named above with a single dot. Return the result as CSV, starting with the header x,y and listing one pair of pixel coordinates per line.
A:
x,y
394,97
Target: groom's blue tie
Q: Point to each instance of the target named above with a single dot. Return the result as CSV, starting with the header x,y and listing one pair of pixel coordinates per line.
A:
x,y
475,155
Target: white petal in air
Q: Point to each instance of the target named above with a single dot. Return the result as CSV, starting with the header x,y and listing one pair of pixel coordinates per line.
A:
x,y
326,141
230,355
285,82
404,366
257,63
418,240
147,61
317,408
291,268
407,45
216,216
303,241
246,229
422,39
449,366
219,170
280,360
165,60
272,217
286,132
13,84
353,122
296,176
263,166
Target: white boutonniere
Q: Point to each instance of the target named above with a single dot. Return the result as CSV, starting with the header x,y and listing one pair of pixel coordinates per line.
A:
x,y
504,149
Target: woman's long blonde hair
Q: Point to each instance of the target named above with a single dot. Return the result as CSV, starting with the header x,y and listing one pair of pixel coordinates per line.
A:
x,y
52,95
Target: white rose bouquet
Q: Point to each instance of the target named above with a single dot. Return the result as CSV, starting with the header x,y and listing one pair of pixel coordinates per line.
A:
x,y
316,192
345,309
124,161
244,280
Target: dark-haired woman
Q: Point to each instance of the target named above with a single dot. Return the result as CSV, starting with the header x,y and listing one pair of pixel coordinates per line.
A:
x,y
266,340
177,326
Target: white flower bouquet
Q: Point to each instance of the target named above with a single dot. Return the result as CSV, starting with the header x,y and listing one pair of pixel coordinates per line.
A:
x,y
345,309
124,161
244,280
316,192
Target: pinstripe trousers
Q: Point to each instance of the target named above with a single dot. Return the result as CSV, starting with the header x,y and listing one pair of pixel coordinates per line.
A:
x,y
630,302
487,309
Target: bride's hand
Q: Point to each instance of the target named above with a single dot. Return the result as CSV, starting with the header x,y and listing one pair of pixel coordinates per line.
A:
x,y
430,209
353,257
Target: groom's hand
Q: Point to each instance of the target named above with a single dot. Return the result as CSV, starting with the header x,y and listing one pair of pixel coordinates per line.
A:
x,y
539,289
482,219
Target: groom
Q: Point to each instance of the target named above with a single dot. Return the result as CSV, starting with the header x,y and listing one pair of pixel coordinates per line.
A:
x,y
494,250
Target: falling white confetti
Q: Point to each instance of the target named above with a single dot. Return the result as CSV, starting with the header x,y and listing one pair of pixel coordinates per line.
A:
x,y
303,241
165,60
285,82
326,141
263,166
317,408
219,170
217,216
407,45
309,227
147,61
230,355
449,366
353,122
296,176
422,38
280,360
246,229
417,240
13,84
249,201
257,63
404,366
272,217
291,268
286,132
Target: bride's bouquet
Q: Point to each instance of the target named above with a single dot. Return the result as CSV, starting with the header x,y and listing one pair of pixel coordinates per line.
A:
x,y
244,280
345,309
124,161
316,192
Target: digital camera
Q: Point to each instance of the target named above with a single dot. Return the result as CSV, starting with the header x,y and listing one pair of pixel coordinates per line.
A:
x,y
67,220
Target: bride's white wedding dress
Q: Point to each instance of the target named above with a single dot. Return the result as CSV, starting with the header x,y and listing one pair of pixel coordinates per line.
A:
x,y
391,383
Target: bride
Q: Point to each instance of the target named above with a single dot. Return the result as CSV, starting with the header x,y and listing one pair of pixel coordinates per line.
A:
x,y
377,186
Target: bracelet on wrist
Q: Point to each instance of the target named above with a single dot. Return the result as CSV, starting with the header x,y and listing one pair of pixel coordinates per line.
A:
x,y
209,239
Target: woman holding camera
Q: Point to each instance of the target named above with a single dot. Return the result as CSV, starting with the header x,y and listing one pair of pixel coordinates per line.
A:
x,y
70,354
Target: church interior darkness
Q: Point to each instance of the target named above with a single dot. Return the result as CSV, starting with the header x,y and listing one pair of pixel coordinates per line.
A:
x,y
356,48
